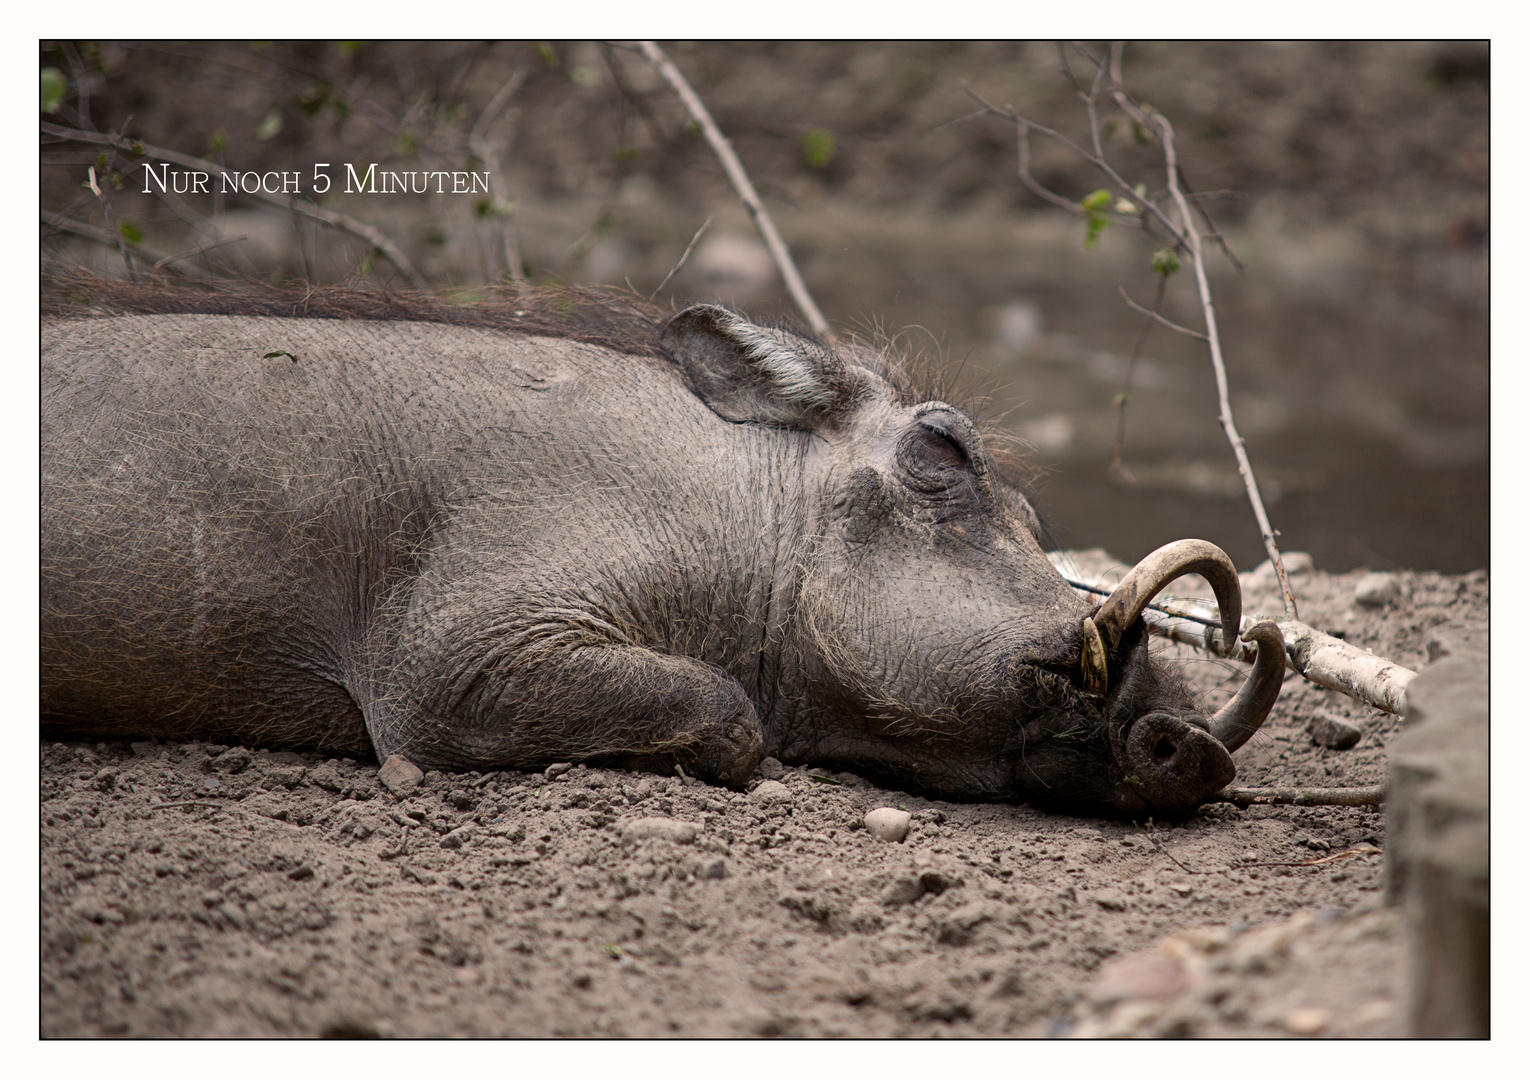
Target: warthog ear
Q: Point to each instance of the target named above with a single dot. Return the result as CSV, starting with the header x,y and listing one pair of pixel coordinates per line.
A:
x,y
753,373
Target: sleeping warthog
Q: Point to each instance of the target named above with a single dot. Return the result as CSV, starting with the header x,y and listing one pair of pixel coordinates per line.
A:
x,y
586,532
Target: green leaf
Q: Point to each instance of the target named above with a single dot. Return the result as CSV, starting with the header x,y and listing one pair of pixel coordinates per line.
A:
x,y
406,143
130,232
280,352
53,87
217,142
818,145
346,48
1094,224
545,53
310,101
1096,200
270,125
825,780
1165,261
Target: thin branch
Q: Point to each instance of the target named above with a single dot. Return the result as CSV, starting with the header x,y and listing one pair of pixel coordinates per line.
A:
x,y
485,152
1126,190
111,224
686,255
343,222
1213,340
1117,467
162,263
1154,315
81,85
1296,796
741,184
1351,853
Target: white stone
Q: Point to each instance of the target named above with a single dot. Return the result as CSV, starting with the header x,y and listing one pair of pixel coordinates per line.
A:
x,y
888,823
1376,590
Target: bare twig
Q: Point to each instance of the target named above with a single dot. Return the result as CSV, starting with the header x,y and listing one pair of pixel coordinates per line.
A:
x,y
741,184
502,209
1193,244
403,847
1117,465
1159,318
343,222
1352,853
162,263
1296,796
81,83
676,269
111,224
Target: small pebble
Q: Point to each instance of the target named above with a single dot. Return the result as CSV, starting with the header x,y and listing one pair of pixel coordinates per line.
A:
x,y
888,823
1110,899
771,769
234,759
1376,590
770,792
554,771
1139,977
399,776
1307,1020
679,832
1332,732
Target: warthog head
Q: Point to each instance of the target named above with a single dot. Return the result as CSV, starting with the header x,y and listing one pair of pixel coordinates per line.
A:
x,y
929,639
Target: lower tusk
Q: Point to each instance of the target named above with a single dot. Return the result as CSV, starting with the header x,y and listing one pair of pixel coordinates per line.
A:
x,y
1092,660
1241,717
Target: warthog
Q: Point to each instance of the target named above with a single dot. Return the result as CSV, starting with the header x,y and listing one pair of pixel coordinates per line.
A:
x,y
500,537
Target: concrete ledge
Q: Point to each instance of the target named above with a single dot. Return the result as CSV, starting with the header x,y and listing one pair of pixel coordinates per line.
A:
x,y
1437,836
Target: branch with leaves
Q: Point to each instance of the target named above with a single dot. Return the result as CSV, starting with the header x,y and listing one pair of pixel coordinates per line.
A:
x,y
1125,202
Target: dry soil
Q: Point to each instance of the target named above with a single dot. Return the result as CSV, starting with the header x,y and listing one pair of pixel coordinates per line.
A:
x,y
190,889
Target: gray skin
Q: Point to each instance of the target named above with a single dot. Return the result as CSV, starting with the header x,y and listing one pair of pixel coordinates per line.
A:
x,y
481,550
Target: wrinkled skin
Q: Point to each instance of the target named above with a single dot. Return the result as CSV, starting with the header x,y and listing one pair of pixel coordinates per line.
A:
x,y
482,550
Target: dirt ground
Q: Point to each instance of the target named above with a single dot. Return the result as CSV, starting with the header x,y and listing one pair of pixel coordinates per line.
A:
x,y
190,889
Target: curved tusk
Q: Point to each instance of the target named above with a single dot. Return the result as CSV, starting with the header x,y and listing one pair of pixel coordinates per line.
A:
x,y
1145,580
1237,721
1092,660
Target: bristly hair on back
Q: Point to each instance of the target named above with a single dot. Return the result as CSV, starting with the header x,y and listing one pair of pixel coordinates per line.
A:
x,y
611,318
607,317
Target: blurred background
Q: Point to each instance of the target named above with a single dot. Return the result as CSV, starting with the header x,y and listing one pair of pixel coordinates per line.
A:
x,y
1350,180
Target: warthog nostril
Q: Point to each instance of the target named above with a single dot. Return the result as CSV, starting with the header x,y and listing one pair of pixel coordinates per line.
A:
x,y
1164,749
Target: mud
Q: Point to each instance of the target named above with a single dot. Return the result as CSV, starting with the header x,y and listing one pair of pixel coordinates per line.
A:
x,y
190,889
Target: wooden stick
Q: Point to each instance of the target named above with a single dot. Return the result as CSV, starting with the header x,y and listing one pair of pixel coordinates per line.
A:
x,y
741,184
1316,656
1292,796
